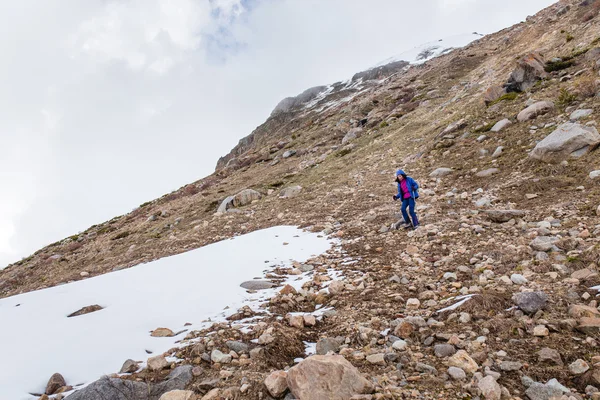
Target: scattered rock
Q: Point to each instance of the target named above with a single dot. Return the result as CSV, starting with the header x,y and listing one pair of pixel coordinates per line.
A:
x,y
457,374
129,366
540,330
578,114
490,388
376,359
568,139
218,357
578,367
162,332
276,383
326,377
549,355
326,345
178,395
55,382
530,302
501,216
543,243
236,346
487,172
534,110
85,310
440,172
290,192
539,391
463,361
500,125
157,363
444,350
257,285
590,326
289,154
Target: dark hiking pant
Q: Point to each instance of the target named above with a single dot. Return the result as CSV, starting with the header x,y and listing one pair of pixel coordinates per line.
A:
x,y
410,204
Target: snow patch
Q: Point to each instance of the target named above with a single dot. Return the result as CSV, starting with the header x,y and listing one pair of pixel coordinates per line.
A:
x,y
200,287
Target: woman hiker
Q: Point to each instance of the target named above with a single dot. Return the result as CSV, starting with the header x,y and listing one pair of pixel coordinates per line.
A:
x,y
408,193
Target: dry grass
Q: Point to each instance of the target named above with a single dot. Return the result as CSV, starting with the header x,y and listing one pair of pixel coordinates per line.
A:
x,y
587,87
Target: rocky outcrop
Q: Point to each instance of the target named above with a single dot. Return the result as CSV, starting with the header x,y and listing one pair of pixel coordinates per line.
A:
x,y
568,139
289,103
529,70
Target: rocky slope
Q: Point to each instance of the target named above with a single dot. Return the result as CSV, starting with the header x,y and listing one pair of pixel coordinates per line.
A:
x,y
501,136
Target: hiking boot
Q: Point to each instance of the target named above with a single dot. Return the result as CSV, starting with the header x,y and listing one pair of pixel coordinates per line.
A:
x,y
406,225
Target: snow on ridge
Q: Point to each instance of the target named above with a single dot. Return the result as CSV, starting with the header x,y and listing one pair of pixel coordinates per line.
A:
x,y
427,51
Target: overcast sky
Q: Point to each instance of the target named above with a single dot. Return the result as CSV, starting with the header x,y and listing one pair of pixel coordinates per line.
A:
x,y
105,104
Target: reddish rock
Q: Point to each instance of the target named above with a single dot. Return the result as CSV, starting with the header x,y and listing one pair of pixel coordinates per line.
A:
x,y
276,383
55,383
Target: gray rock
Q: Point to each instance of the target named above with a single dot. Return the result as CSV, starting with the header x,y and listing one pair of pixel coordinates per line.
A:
x,y
539,391
128,367
326,345
595,174
306,267
534,110
518,279
289,153
218,357
257,285
578,114
444,350
501,216
482,138
351,135
487,172
119,389
439,172
225,205
289,192
422,367
555,384
498,152
501,125
568,139
457,374
543,243
530,302
510,366
236,346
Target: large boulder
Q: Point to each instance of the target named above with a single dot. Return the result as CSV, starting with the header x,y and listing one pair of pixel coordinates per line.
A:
x,y
529,70
245,197
291,191
568,139
326,377
534,110
121,389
